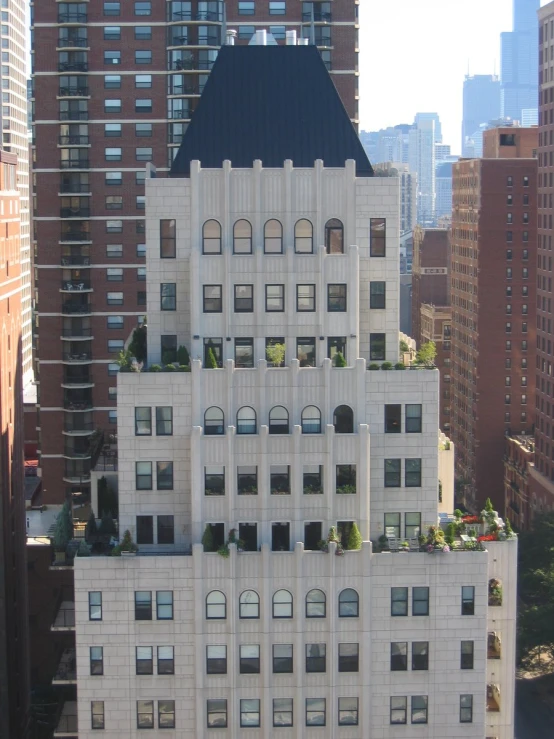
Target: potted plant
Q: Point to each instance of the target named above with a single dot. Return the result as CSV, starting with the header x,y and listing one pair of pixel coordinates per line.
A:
x,y
404,546
386,366
373,366
383,543
126,547
84,549
495,592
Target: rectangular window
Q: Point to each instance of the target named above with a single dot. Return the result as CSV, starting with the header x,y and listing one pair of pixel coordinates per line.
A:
x,y
247,480
112,57
216,659
143,153
377,294
282,712
466,709
468,600
246,7
213,299
167,238
249,712
143,8
114,227
348,657
305,298
413,418
282,658
244,353
112,130
377,344
412,473
274,298
143,475
315,712
143,56
279,479
168,296
345,483
249,659
244,298
112,82
216,711
398,709
145,714
312,479
112,106
336,298
164,475
392,524
393,419
466,655
398,656
112,154
214,481
393,473
166,661
96,660
164,605
166,714
143,130
97,715
166,529
114,274
316,657
145,529
115,346
420,655
112,33
143,105
305,351
143,421
377,237
412,525
115,322
277,7
164,420
420,601
143,33
112,8
144,663
399,602
113,179
348,712
419,709
95,606
143,605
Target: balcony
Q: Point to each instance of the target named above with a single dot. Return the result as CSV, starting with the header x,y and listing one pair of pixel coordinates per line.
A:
x,y
75,140
76,286
65,617
77,333
73,67
71,16
76,401
67,721
74,164
75,235
74,115
107,460
77,380
80,261
319,17
84,357
79,427
75,188
71,308
72,42
74,91
66,673
74,212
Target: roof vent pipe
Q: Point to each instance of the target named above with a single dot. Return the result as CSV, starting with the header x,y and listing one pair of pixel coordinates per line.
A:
x,y
230,36
261,37
291,38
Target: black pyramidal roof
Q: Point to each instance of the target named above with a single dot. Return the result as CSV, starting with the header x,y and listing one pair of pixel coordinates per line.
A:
x,y
270,103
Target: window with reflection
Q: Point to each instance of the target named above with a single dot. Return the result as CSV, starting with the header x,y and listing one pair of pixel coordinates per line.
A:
x,y
278,420
303,237
214,422
246,420
242,237
343,420
249,604
211,237
334,236
273,237
311,420
315,604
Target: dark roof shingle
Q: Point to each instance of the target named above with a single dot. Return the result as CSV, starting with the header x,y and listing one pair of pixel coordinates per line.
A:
x,y
270,103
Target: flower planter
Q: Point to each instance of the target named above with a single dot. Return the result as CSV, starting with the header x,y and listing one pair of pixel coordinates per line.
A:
x,y
128,554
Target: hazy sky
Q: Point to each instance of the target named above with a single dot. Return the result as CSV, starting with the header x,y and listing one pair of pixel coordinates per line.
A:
x,y
414,56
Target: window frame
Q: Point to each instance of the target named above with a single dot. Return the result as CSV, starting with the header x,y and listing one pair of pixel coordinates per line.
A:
x,y
289,663
355,600
95,615
377,299
147,420
315,608
96,664
377,241
337,303
468,604
421,590
278,300
309,298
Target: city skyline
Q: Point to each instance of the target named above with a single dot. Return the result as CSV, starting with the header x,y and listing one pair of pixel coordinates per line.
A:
x,y
442,91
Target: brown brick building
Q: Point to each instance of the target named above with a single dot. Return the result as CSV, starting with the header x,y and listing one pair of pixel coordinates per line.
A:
x,y
431,319
14,670
118,93
493,310
520,455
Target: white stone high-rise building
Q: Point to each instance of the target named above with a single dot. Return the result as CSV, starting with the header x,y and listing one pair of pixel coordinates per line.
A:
x,y
275,232
422,161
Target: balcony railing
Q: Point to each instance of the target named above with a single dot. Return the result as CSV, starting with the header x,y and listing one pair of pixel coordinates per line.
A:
x,y
65,617
75,235
72,42
74,164
71,17
75,261
74,115
67,668
74,212
76,308
75,187
67,723
75,286
319,17
70,405
71,140
73,67
77,357
77,333
74,91
77,426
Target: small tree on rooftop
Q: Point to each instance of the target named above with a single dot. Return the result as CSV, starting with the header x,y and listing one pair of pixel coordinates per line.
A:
x,y
64,528
92,528
275,354
488,506
427,353
183,356
211,362
208,539
340,361
354,537
137,347
404,346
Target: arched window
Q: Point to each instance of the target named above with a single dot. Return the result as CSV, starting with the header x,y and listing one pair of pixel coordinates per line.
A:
x,y
216,605
303,237
242,237
349,603
211,238
278,420
214,422
282,604
343,420
246,420
273,237
249,604
311,420
315,604
334,236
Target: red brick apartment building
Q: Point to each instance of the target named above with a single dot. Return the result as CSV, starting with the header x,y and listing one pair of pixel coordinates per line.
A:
x,y
431,317
118,92
14,677
494,240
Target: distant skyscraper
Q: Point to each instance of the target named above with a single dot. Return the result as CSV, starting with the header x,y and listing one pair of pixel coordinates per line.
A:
x,y
481,104
519,61
422,161
419,117
443,188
